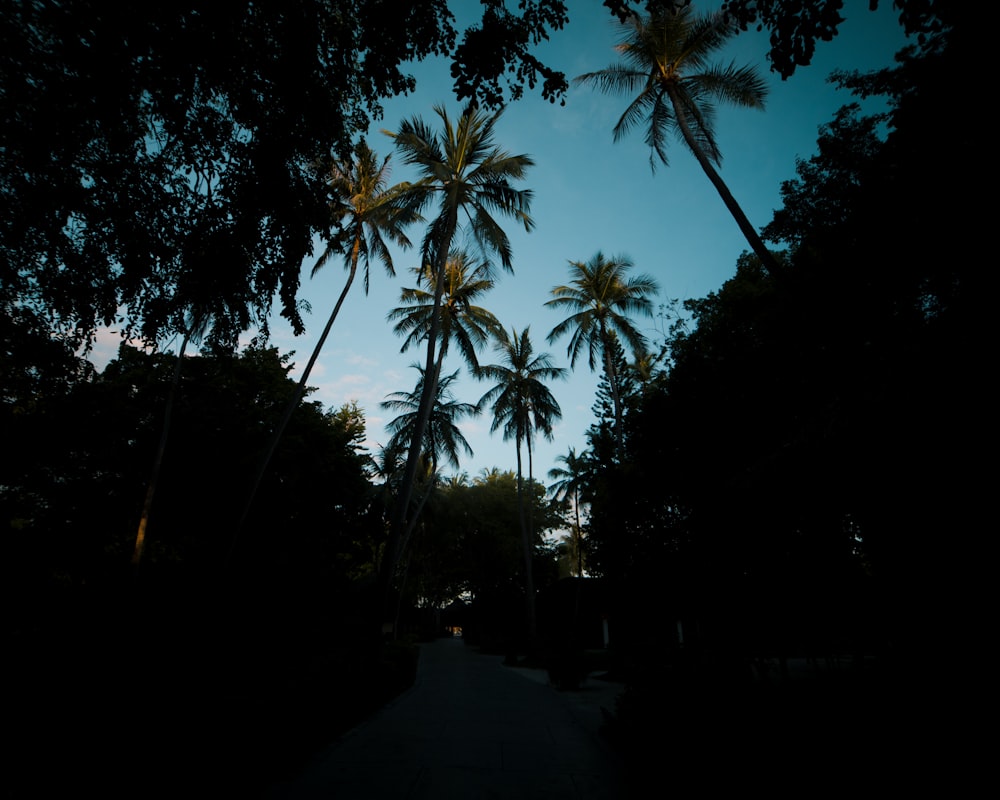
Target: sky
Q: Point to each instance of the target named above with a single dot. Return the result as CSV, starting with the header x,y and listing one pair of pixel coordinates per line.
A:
x,y
590,194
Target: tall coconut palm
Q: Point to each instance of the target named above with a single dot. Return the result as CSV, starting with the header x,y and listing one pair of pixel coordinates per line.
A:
x,y
442,437
522,406
569,485
366,212
601,297
666,69
469,179
468,325
460,321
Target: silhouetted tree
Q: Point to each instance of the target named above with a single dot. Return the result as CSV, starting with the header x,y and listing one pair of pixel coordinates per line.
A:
x,y
601,299
522,406
465,172
665,59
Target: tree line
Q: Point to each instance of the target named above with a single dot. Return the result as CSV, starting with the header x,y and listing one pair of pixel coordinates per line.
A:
x,y
787,471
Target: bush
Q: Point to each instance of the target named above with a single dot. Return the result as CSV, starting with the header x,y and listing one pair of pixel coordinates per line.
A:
x,y
567,666
398,666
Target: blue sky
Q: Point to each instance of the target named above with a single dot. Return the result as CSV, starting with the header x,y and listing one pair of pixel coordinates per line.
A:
x,y
590,195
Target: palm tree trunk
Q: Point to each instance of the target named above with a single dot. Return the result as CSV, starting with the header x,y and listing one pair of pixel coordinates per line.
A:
x,y
431,478
161,448
415,517
420,426
294,400
579,534
529,579
748,231
398,522
531,497
612,373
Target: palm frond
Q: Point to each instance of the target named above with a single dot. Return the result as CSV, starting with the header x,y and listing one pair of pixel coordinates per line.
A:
x,y
636,113
666,65
614,79
699,115
601,297
521,402
739,86
442,437
661,120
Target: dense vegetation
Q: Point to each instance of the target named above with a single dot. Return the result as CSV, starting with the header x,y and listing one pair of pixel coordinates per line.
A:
x,y
797,480
786,474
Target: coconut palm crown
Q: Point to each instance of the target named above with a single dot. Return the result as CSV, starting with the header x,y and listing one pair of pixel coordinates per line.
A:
x,y
666,69
364,211
601,298
522,403
463,322
442,437
466,173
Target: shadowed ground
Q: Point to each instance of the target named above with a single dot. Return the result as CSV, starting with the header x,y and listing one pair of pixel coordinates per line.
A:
x,y
471,728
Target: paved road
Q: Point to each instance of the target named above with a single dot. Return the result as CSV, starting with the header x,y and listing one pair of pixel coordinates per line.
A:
x,y
471,729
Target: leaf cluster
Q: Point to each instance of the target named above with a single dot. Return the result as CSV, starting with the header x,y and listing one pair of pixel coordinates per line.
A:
x,y
77,464
807,441
171,157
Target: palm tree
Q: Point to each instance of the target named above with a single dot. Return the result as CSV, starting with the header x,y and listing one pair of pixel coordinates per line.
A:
x,y
467,175
666,60
194,328
385,470
442,437
522,406
468,325
600,297
366,211
570,484
487,474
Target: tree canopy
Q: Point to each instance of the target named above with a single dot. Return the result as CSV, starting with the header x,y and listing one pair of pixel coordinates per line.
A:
x,y
807,439
806,473
173,156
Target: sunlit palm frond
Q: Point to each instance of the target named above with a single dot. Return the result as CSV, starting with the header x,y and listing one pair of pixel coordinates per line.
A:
x,y
365,209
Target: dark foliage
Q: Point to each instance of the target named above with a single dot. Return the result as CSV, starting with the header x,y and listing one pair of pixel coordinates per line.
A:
x,y
797,25
469,542
800,481
170,157
184,669
78,462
